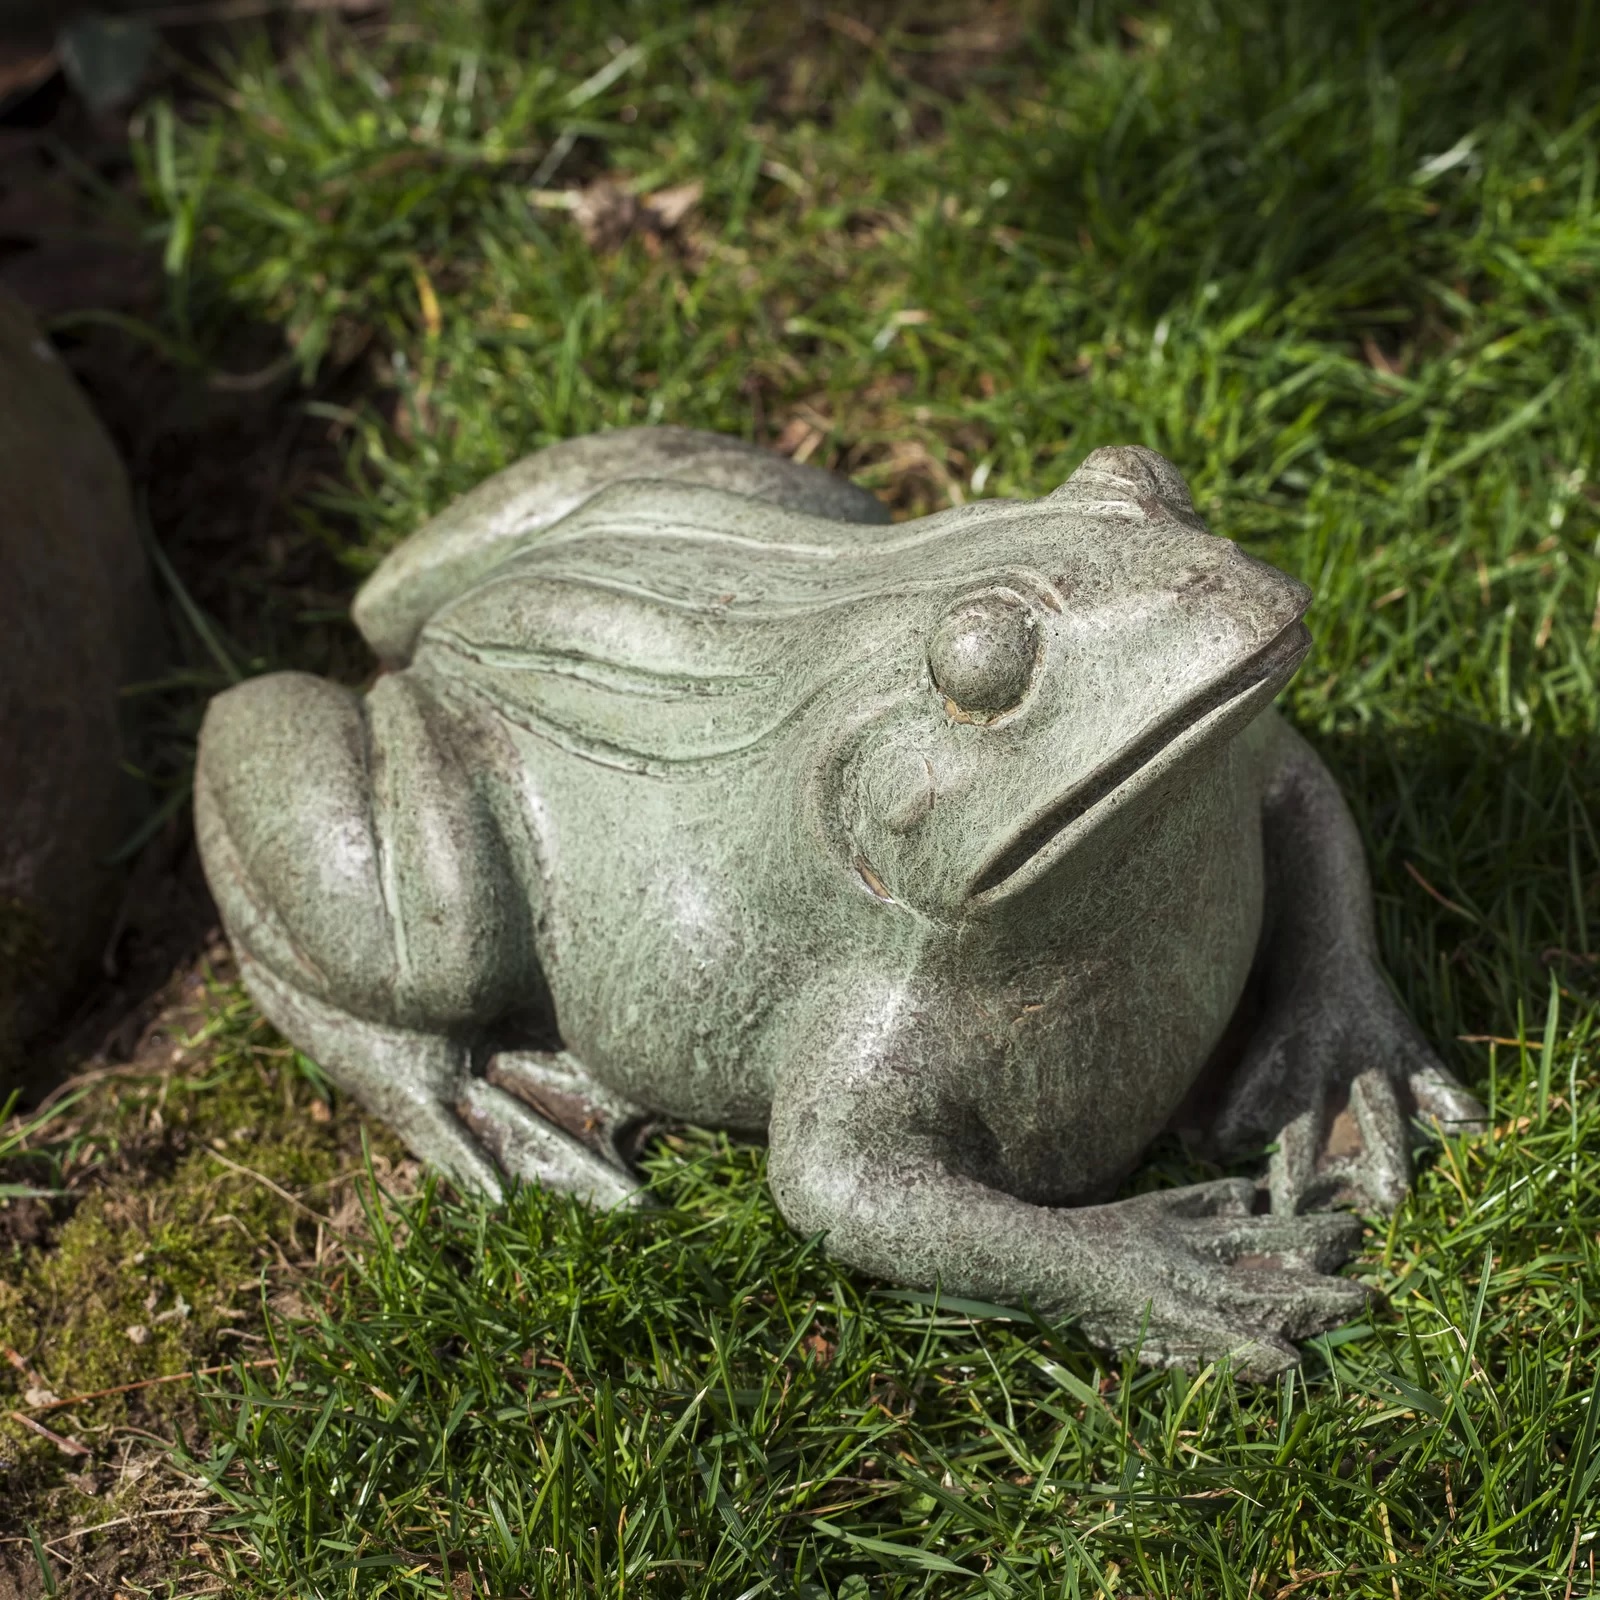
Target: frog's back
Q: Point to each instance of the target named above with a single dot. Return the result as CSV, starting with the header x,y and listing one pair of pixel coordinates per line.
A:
x,y
662,627
513,510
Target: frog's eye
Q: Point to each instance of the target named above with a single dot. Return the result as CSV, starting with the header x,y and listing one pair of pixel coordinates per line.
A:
x,y
983,655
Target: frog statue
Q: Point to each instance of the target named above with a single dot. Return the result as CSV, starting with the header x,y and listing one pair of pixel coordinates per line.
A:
x,y
962,857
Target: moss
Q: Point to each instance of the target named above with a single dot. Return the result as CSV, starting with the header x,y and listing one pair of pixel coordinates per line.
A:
x,y
178,1224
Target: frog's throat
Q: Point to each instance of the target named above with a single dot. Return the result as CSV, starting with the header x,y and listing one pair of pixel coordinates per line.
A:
x,y
1256,679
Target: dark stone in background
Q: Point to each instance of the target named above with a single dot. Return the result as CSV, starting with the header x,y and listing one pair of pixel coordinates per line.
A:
x,y
220,451
77,623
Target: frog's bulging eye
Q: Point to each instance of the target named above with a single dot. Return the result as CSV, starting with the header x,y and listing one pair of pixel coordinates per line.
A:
x,y
983,655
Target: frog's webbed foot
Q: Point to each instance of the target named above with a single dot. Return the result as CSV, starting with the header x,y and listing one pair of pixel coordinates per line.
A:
x,y
1334,1074
534,1149
557,1087
1216,1282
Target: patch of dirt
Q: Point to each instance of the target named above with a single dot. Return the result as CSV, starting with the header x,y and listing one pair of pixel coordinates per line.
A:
x,y
607,214
221,456
25,1224
159,1532
208,1186
809,53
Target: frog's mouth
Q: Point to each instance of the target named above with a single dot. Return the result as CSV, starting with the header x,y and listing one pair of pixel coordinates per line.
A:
x,y
1162,746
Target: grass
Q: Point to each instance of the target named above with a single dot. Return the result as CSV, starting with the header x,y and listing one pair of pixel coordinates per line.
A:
x,y
558,1404
1337,261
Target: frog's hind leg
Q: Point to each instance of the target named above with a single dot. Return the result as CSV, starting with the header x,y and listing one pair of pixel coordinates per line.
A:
x,y
378,918
558,1086
419,1083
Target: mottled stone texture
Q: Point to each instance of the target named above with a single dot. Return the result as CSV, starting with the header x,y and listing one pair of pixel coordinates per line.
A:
x,y
963,857
76,620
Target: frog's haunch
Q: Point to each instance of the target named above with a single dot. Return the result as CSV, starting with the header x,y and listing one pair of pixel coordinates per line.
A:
x,y
351,852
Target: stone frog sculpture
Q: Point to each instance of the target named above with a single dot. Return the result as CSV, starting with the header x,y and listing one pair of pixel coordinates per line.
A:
x,y
962,857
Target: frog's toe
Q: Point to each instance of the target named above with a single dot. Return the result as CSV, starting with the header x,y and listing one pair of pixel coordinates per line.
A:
x,y
1356,1153
1218,1220
1223,1197
533,1150
1263,1360
1381,1176
1443,1104
1291,1304
1318,1241
434,1134
1200,1339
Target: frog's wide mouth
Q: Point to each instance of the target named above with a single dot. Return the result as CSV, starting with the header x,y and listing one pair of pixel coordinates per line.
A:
x,y
1258,677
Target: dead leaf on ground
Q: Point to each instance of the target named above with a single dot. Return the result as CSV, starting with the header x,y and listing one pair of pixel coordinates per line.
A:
x,y
670,206
819,1347
608,214
799,439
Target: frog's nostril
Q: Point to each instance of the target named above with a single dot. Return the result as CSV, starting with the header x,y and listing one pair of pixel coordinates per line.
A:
x,y
1199,582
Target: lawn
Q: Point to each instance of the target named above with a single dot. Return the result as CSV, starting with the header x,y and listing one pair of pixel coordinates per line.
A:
x,y
1336,260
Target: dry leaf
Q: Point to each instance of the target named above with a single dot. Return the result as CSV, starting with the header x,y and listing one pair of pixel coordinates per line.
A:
x,y
819,1347
608,215
670,206
799,439
605,215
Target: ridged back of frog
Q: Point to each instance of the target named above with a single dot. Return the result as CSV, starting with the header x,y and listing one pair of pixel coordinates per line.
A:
x,y
661,626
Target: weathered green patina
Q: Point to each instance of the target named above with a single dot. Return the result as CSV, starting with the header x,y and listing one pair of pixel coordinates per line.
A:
x,y
963,857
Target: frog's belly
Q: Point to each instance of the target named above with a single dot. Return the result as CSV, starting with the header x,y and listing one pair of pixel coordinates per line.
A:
x,y
1120,990
1074,1017
663,963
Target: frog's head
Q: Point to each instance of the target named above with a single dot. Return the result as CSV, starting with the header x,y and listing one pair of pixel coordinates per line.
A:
x,y
1108,643
949,708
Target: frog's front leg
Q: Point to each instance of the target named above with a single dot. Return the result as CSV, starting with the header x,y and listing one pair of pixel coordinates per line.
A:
x,y
878,1141
376,915
1334,1069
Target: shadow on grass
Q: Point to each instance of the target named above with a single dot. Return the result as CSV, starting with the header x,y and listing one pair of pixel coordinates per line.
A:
x,y
1485,851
